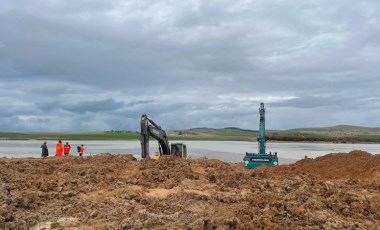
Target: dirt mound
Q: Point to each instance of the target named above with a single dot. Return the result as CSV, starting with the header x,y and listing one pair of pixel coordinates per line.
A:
x,y
353,165
166,173
118,192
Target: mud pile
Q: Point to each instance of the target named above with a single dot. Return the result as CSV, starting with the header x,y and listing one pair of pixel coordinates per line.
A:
x,y
354,165
106,191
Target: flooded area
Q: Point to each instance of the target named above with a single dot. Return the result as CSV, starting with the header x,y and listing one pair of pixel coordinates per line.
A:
x,y
230,151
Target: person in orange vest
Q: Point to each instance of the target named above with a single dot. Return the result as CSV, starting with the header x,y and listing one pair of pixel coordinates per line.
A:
x,y
81,150
66,149
59,149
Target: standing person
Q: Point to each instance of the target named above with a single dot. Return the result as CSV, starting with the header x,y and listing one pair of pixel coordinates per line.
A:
x,y
66,149
81,150
59,149
45,150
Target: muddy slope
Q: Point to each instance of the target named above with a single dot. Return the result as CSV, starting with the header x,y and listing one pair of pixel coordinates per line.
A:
x,y
336,191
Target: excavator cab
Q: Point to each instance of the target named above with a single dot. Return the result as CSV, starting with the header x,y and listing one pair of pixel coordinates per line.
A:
x,y
179,150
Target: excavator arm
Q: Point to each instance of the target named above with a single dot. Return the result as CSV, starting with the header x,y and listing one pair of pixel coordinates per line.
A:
x,y
151,129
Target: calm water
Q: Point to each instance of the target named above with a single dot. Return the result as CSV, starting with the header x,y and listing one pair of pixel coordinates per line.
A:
x,y
232,151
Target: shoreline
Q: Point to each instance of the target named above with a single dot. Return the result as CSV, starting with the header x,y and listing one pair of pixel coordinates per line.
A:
x,y
190,139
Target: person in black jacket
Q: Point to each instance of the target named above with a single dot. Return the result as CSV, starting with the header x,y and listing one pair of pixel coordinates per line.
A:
x,y
45,151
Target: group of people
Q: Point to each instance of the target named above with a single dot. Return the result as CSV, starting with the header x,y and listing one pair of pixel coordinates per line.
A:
x,y
61,149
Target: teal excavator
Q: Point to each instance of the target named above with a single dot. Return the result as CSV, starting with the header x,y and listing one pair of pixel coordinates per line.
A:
x,y
253,160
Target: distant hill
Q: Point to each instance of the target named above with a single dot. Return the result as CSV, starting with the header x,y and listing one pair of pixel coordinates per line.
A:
x,y
341,130
340,134
356,133
213,134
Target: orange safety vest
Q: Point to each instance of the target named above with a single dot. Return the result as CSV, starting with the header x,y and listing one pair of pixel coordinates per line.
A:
x,y
59,149
66,148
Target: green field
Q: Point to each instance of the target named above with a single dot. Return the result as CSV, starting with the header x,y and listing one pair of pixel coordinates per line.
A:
x,y
339,134
226,134
70,136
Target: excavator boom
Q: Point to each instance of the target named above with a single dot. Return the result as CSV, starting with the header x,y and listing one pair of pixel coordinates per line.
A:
x,y
151,129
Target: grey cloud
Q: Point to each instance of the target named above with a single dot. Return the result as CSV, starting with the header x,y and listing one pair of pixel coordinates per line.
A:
x,y
94,106
188,63
84,106
139,102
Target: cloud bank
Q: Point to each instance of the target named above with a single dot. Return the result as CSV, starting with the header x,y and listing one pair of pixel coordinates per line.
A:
x,y
100,65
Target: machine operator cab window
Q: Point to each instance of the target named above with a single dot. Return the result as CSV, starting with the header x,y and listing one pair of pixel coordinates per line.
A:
x,y
179,150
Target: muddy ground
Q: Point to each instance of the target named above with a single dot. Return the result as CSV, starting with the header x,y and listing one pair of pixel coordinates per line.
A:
x,y
336,191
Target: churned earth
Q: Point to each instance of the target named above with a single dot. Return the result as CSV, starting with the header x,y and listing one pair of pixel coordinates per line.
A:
x,y
336,191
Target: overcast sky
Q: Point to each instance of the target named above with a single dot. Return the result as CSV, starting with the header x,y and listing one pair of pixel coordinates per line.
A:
x,y
99,65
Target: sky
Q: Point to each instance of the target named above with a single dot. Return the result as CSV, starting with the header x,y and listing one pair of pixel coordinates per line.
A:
x,y
99,65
